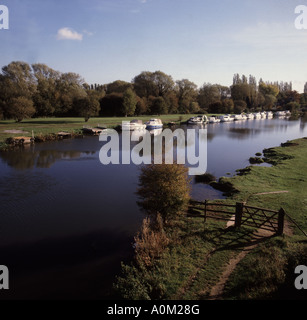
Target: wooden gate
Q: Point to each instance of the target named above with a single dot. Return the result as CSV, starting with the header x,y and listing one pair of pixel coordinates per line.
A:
x,y
242,214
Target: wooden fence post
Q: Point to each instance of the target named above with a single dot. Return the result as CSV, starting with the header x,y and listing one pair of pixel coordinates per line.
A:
x,y
281,220
205,212
239,214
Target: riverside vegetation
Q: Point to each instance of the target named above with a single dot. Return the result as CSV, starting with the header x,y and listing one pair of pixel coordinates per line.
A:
x,y
183,258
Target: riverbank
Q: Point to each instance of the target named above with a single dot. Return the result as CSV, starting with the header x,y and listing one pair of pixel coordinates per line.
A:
x,y
48,128
210,261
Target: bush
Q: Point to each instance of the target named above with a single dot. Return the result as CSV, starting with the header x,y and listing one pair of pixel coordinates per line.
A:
x,y
164,189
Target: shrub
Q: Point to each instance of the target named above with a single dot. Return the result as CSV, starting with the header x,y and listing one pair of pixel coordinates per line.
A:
x,y
164,189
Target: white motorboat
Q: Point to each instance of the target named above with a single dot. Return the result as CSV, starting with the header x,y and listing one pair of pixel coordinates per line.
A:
x,y
154,124
198,120
238,117
257,115
213,119
269,114
244,116
283,113
250,116
133,125
263,115
225,118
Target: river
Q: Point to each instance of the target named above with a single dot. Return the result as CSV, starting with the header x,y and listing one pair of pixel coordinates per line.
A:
x,y
67,221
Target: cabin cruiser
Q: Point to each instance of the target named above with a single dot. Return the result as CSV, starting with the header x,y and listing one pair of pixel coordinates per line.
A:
x,y
269,114
133,125
213,119
250,116
244,116
257,115
225,118
263,115
198,120
238,117
154,124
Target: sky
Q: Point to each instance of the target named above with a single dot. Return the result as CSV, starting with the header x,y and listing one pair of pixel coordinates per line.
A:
x,y
199,40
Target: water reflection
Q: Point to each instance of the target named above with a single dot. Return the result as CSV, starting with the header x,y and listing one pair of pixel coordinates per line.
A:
x,y
59,192
29,158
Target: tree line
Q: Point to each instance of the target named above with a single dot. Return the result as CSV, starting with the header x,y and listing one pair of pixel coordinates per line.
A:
x,y
39,91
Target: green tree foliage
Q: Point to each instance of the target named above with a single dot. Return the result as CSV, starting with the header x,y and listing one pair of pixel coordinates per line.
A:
x,y
21,108
164,189
111,105
187,94
88,106
239,106
129,102
158,106
208,94
118,86
45,96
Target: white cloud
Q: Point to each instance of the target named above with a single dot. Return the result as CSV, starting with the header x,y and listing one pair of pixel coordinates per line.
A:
x,y
69,34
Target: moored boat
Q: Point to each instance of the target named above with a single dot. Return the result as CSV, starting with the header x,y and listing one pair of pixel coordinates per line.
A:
x,y
133,125
213,119
198,120
154,124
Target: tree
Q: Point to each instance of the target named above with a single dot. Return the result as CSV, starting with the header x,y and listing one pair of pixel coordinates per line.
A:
x,y
118,86
156,84
21,108
158,106
239,106
208,94
187,94
129,102
111,105
69,87
87,107
17,84
164,189
45,97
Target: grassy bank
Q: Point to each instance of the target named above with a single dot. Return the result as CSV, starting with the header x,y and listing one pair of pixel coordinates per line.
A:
x,y
48,126
199,255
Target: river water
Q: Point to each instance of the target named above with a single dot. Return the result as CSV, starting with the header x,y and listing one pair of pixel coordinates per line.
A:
x,y
67,221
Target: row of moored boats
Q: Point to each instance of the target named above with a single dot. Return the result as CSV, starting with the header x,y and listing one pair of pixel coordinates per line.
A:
x,y
201,119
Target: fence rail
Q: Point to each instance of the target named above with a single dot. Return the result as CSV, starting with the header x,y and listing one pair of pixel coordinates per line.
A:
x,y
267,219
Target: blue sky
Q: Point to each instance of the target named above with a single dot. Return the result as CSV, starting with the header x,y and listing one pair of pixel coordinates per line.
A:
x,y
199,40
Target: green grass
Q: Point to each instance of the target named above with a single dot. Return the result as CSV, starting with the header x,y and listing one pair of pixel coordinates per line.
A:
x,y
199,252
46,126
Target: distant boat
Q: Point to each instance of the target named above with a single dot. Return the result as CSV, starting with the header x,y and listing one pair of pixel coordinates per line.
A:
x,y
238,117
198,120
263,115
269,114
154,124
225,118
257,115
244,116
250,116
133,125
213,119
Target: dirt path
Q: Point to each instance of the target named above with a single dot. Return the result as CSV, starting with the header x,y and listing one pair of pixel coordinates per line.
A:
x,y
217,290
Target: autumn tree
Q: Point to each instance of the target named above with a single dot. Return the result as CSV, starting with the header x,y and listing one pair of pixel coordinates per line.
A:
x,y
164,189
